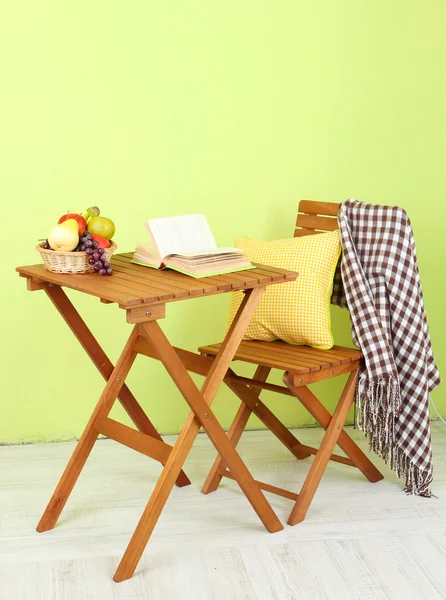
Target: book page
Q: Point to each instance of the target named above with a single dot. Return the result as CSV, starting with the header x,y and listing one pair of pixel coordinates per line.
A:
x,y
209,251
186,234
149,251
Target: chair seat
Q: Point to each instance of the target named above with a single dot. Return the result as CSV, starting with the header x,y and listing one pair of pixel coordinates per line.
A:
x,y
280,355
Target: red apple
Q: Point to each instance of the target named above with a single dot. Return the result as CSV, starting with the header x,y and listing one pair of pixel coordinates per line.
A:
x,y
102,241
81,222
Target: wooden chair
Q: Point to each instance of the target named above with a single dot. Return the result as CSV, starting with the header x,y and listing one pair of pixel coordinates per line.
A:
x,y
302,365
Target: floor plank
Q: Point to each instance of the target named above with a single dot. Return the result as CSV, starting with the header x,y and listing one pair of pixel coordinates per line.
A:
x,y
359,540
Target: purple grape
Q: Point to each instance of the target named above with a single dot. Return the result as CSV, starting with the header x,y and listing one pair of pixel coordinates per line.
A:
x,y
94,245
102,272
95,255
98,265
100,250
109,271
91,261
89,250
82,248
83,239
106,264
88,244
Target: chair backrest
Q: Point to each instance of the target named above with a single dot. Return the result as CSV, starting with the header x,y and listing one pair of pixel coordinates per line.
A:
x,y
316,217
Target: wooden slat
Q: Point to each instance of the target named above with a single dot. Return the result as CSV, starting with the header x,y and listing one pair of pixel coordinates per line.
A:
x,y
293,355
354,353
240,278
299,354
165,277
89,284
304,232
266,361
251,278
333,356
317,222
163,290
266,487
233,284
300,378
143,288
319,208
194,363
324,374
289,358
196,287
144,274
257,384
334,457
132,284
276,273
264,274
133,439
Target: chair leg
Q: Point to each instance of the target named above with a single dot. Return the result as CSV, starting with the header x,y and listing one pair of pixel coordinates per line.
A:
x,y
345,442
268,418
234,434
323,455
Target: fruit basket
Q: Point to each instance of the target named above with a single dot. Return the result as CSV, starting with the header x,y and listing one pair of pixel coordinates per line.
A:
x,y
70,262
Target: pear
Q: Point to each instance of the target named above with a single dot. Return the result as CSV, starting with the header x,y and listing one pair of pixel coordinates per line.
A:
x,y
64,237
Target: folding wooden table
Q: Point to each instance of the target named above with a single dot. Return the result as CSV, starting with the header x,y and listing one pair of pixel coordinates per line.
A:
x,y
143,293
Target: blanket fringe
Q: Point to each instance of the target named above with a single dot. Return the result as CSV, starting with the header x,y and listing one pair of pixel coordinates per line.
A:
x,y
377,410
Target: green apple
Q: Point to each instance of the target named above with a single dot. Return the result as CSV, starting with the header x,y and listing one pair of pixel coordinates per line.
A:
x,y
101,226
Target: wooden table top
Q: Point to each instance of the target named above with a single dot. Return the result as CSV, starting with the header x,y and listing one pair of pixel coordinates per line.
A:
x,y
133,284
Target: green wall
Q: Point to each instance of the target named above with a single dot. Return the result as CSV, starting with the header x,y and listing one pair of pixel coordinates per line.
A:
x,y
237,109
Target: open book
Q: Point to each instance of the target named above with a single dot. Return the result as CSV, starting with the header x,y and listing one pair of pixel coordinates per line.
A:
x,y
187,245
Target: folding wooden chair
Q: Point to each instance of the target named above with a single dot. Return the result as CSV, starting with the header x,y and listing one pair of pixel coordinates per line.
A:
x,y
303,365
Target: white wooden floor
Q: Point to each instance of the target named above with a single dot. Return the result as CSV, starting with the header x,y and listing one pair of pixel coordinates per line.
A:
x,y
359,541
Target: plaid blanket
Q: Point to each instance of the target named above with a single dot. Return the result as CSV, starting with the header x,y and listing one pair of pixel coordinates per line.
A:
x,y
378,281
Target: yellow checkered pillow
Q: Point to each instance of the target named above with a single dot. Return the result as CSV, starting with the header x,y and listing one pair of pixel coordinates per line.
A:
x,y
297,312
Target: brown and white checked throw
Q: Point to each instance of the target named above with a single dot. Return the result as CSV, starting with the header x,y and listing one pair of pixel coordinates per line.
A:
x,y
378,281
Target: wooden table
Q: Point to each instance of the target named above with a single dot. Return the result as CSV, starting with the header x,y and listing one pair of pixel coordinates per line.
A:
x,y
143,293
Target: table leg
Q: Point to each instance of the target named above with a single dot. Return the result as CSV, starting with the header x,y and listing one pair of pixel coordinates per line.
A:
x,y
89,436
103,364
199,401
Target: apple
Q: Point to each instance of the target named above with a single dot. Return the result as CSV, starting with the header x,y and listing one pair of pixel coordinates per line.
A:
x,y
102,241
101,226
81,222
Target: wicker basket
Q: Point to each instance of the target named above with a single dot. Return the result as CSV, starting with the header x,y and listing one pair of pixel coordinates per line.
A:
x,y
70,262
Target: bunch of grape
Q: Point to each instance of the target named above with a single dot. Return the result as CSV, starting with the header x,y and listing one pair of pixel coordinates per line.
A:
x,y
97,255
